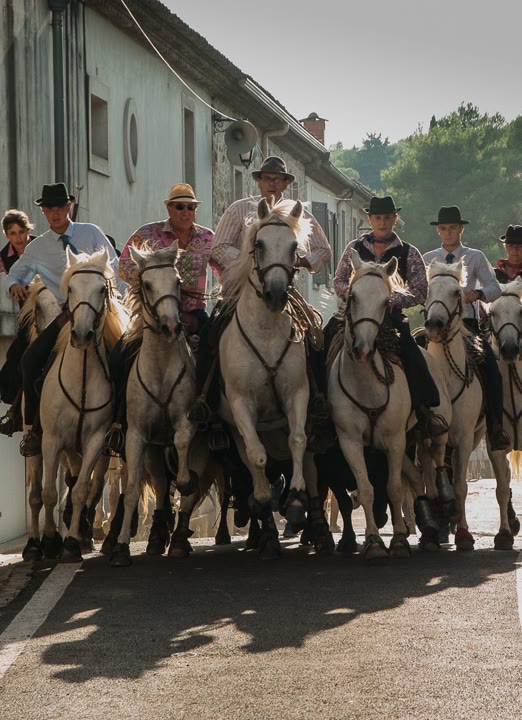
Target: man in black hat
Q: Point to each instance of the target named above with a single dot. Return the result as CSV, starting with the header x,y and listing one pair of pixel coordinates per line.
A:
x,y
450,226
380,245
508,269
45,256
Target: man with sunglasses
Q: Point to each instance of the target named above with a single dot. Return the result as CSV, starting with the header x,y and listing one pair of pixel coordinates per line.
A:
x,y
194,243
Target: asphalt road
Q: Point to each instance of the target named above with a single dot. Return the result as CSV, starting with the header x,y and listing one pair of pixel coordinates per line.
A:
x,y
225,636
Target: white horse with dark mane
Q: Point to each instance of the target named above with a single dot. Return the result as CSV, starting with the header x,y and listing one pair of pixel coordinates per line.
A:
x,y
371,407
265,391
505,320
76,407
161,389
451,344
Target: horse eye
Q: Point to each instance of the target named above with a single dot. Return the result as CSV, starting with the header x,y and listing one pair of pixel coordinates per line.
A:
x,y
147,285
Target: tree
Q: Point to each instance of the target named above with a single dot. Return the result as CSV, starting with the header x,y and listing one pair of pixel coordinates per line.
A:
x,y
367,162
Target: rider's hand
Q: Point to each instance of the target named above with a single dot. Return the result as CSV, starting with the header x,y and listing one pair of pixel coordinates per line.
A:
x,y
18,292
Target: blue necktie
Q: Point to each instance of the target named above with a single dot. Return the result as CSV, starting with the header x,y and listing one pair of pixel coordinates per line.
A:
x,y
66,242
450,257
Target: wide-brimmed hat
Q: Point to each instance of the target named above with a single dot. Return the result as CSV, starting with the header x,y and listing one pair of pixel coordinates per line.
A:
x,y
381,206
273,164
449,216
54,195
182,192
513,235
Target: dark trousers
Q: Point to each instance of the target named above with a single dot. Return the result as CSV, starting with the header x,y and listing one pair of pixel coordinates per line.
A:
x,y
34,361
491,380
11,372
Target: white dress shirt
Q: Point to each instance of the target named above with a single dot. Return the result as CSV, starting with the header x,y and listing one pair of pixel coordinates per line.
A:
x,y
45,256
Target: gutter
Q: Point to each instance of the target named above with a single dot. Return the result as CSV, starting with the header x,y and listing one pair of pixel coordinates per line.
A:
x,y
57,8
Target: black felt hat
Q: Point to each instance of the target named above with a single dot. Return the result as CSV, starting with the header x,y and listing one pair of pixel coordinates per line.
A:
x,y
513,235
273,164
381,206
449,216
54,195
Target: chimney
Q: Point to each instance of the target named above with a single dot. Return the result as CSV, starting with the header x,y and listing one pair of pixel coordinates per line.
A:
x,y
315,126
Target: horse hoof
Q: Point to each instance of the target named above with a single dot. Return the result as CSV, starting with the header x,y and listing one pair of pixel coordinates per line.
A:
x,y
108,545
155,547
400,547
98,534
71,550
121,556
222,539
269,547
504,540
375,551
296,516
323,539
87,546
348,546
32,551
429,540
52,547
464,540
179,547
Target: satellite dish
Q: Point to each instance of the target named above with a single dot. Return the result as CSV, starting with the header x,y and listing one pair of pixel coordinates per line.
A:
x,y
240,137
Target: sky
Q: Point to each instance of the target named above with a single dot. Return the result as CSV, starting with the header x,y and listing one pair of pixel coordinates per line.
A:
x,y
370,67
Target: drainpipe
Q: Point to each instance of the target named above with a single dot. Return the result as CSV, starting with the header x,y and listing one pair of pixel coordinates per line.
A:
x,y
272,133
12,144
58,7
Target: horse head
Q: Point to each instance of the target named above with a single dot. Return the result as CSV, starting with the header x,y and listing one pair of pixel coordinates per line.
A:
x,y
87,286
157,282
39,308
367,304
505,319
444,301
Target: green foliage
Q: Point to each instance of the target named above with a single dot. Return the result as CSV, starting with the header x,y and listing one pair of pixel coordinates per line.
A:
x,y
367,162
465,159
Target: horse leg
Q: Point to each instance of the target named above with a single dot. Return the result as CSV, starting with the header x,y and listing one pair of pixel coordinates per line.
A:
x,y
463,538
429,539
399,545
296,503
33,548
223,533
187,481
159,535
318,528
374,550
504,539
52,542
94,500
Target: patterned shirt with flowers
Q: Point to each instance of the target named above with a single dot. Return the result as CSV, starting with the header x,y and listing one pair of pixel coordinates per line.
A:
x,y
192,261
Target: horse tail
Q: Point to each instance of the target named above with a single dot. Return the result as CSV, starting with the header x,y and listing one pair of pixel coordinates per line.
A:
x,y
515,464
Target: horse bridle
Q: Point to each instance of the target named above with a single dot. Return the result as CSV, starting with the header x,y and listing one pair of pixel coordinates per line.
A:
x,y
452,314
151,308
98,314
518,330
351,324
262,271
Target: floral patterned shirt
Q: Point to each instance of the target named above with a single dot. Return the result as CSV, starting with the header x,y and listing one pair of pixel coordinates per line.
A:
x,y
192,261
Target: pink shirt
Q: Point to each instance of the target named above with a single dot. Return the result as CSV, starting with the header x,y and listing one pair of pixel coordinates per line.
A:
x,y
192,261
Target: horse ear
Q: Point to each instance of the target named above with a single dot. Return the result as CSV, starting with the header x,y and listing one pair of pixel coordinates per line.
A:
x,y
135,255
175,249
356,260
297,210
391,266
263,210
71,257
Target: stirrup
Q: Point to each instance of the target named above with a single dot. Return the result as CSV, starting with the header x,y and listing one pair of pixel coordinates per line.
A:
x,y
219,439
31,444
114,442
200,412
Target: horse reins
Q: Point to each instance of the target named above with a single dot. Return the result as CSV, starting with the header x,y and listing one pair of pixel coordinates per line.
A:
x,y
262,271
82,410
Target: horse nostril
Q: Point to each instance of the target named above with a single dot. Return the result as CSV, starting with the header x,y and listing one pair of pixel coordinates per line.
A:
x,y
90,335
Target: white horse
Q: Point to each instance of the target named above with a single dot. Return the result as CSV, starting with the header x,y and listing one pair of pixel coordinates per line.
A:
x,y
160,391
505,318
262,358
370,402
449,343
77,400
39,309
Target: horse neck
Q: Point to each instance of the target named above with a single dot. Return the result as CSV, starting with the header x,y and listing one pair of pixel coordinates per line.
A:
x,y
355,369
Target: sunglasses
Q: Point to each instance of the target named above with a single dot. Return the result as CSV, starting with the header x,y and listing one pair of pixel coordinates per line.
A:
x,y
181,206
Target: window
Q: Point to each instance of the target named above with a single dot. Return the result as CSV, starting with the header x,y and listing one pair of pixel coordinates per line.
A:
x,y
99,127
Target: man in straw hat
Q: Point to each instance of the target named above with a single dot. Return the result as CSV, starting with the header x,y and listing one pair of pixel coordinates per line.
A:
x,y
45,256
510,268
194,243
450,226
380,245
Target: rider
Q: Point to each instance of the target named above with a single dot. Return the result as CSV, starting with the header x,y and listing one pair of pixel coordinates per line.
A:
x,y
45,256
194,243
450,227
17,227
380,245
272,179
510,268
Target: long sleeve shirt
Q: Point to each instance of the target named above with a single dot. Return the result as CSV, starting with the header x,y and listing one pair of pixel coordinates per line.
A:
x,y
415,280
478,271
45,256
192,262
231,230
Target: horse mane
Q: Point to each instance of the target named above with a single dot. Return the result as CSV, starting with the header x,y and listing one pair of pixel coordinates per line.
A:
x,y
457,271
26,316
394,282
237,274
514,287
133,300
116,318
